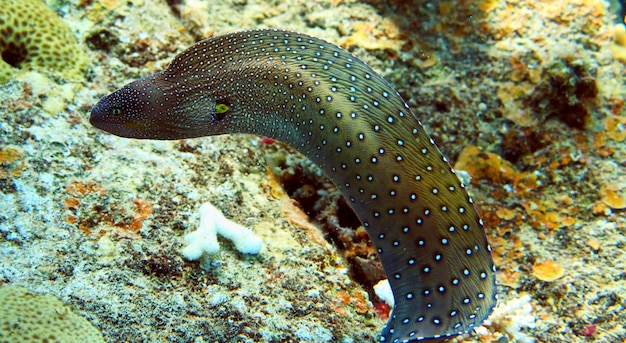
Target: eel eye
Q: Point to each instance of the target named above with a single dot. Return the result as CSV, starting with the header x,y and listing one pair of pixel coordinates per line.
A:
x,y
116,111
220,111
221,108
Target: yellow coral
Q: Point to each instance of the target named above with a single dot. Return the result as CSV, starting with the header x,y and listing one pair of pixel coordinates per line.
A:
x,y
548,271
618,47
32,36
28,317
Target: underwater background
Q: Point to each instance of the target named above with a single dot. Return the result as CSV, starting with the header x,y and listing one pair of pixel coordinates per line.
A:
x,y
526,97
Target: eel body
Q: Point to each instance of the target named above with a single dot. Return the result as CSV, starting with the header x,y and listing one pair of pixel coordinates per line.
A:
x,y
333,108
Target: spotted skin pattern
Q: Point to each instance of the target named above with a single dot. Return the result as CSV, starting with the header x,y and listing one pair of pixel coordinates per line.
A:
x,y
337,111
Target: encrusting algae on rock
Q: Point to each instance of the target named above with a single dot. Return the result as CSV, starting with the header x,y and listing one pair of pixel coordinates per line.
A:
x,y
32,36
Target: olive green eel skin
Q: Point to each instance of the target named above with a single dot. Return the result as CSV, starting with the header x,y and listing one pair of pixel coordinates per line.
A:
x,y
337,111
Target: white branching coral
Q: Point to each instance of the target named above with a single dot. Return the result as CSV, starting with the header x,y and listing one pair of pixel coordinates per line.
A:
x,y
212,223
511,318
383,291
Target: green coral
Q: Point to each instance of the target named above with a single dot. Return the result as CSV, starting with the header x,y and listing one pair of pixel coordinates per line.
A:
x,y
28,317
32,36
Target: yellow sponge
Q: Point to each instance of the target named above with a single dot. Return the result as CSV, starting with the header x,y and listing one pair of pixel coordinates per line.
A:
x,y
28,317
32,36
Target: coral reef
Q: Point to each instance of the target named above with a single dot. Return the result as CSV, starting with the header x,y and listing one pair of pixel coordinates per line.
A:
x,y
27,317
101,221
33,37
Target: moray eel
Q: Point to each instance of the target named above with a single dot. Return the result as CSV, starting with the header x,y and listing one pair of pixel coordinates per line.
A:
x,y
333,108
